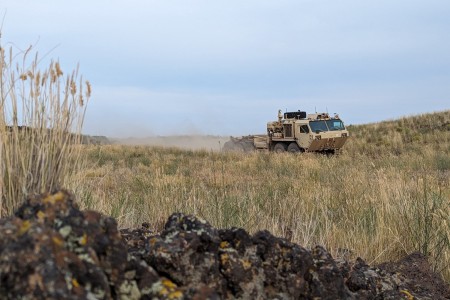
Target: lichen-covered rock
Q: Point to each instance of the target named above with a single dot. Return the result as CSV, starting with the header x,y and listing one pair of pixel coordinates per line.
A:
x,y
232,264
51,250
207,263
93,238
35,264
187,252
372,283
326,276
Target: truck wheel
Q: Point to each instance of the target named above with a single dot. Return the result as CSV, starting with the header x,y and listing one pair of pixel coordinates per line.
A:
x,y
293,148
232,146
248,147
228,146
279,148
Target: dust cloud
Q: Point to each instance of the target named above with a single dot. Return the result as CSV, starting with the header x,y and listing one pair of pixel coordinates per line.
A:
x,y
189,142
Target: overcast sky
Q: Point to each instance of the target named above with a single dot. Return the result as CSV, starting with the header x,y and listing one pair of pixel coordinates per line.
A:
x,y
172,67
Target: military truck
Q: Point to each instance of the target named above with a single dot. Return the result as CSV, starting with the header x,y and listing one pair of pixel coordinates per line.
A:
x,y
295,132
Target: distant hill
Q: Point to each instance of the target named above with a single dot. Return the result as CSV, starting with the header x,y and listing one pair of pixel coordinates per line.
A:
x,y
85,139
415,133
95,140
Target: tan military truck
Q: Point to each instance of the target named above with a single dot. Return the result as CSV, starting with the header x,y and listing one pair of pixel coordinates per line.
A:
x,y
296,132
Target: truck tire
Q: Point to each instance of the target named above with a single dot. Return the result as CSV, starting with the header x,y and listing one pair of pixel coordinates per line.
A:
x,y
293,148
228,146
279,147
248,146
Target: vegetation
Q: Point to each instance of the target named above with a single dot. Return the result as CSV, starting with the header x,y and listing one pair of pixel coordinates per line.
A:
x,y
38,110
385,196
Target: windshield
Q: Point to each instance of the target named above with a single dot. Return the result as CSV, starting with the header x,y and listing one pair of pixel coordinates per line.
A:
x,y
335,125
332,125
318,126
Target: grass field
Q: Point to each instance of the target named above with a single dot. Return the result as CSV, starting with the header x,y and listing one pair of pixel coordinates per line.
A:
x,y
386,195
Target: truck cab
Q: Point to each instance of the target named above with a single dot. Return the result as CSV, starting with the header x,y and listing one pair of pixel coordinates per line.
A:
x,y
298,132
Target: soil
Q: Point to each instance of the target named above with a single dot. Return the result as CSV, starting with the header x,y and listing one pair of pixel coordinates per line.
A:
x,y
421,280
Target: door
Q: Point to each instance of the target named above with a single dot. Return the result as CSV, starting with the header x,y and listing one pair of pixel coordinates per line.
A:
x,y
302,135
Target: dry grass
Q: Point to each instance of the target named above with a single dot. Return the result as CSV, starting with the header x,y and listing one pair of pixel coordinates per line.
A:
x,y
38,110
385,196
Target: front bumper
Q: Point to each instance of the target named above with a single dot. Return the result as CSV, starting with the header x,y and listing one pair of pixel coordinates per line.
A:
x,y
331,143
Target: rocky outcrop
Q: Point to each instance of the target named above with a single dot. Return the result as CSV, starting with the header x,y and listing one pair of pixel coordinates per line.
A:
x,y
52,250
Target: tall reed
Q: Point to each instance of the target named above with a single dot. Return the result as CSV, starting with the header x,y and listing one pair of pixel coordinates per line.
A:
x,y
41,117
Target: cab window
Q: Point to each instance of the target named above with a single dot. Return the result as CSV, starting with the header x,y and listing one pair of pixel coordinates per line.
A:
x,y
335,124
304,129
318,126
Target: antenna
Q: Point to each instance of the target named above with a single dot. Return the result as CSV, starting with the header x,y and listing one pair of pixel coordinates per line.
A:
x,y
315,109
